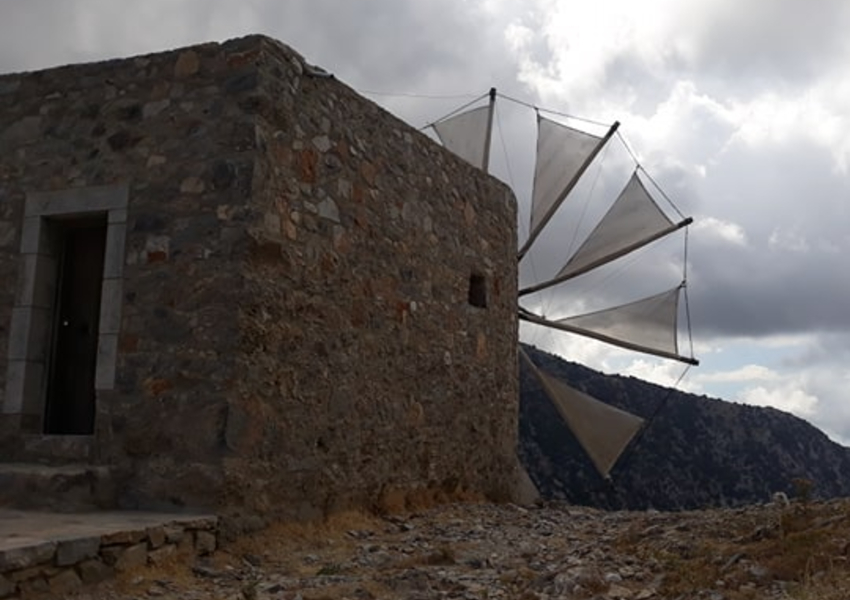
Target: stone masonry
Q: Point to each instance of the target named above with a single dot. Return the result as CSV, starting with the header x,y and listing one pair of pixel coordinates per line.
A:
x,y
55,554
306,306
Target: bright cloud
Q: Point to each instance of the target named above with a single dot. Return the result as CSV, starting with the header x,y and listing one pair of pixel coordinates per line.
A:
x,y
720,230
785,397
747,373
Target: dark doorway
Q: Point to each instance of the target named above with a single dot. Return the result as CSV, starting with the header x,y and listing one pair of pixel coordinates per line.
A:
x,y
70,406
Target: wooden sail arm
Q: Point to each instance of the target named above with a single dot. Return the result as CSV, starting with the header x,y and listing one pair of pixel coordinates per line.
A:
x,y
605,259
488,136
565,192
530,317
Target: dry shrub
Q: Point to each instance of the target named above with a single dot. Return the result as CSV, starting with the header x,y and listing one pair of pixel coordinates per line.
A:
x,y
682,576
803,489
284,544
398,500
444,555
830,584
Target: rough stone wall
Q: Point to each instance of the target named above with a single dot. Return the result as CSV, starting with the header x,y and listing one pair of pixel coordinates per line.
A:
x,y
296,334
367,376
172,126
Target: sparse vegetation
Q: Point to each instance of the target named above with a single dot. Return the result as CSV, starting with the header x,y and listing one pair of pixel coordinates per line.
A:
x,y
795,552
802,489
329,569
444,555
803,553
249,588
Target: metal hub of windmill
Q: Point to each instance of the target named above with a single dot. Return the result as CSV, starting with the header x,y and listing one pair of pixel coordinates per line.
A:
x,y
633,221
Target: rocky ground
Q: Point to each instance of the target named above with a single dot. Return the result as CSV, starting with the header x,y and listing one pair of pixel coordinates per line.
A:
x,y
473,551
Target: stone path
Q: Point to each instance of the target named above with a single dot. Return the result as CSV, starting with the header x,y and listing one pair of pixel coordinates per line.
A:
x,y
503,551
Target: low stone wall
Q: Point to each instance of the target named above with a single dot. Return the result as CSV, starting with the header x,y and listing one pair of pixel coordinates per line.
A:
x,y
82,552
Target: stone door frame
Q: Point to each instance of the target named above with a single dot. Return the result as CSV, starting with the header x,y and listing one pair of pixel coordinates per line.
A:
x,y
32,315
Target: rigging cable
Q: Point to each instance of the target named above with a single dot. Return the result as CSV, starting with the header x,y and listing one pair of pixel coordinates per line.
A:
x,y
660,406
661,191
616,270
504,146
628,148
423,96
685,294
630,450
456,111
547,300
522,222
554,112
647,175
589,197
580,220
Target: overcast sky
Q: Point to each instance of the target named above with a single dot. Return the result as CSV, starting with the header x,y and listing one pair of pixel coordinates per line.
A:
x,y
738,109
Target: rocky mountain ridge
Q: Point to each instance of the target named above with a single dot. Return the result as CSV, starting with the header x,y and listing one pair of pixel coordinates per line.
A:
x,y
697,452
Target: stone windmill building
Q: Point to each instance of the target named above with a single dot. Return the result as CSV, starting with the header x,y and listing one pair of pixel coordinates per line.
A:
x,y
230,282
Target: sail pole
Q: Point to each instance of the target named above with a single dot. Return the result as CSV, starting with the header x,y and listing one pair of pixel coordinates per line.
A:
x,y
605,259
485,163
538,320
567,189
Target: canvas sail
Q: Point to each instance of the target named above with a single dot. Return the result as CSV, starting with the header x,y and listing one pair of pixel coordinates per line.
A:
x,y
465,134
563,155
603,431
650,322
632,218
633,221
648,325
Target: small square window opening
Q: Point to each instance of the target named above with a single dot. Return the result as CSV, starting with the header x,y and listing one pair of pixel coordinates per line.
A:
x,y
478,290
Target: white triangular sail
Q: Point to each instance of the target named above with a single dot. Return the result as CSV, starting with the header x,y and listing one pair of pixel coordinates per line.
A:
x,y
602,430
633,218
465,134
561,153
650,323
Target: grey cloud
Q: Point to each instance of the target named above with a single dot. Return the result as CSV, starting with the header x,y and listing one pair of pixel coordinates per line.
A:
x,y
828,349
777,192
44,33
390,45
765,43
433,48
759,291
822,364
627,75
737,295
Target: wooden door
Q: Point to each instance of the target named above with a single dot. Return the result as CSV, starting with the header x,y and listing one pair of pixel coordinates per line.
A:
x,y
70,407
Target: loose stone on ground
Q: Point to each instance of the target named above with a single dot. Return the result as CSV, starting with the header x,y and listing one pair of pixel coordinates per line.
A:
x,y
506,551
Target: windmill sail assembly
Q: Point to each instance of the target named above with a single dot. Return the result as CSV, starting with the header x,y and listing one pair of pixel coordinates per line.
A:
x,y
634,220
